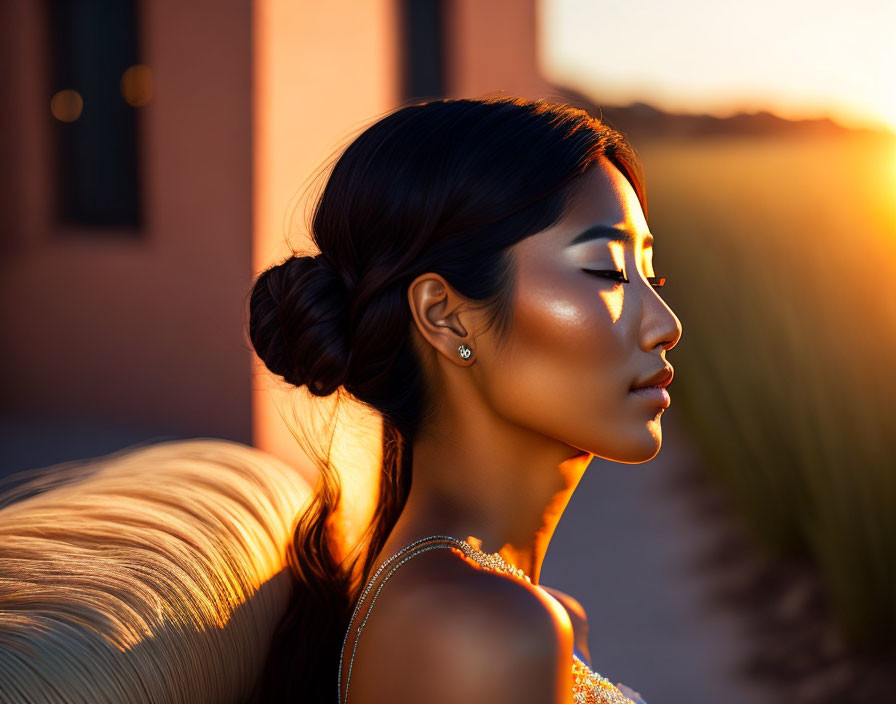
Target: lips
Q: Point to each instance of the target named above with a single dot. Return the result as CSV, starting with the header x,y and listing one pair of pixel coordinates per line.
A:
x,y
661,378
654,394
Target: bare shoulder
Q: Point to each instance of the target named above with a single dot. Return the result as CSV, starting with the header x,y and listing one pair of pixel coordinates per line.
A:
x,y
473,637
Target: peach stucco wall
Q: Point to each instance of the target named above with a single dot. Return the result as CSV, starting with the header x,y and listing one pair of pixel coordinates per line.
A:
x,y
140,331
492,47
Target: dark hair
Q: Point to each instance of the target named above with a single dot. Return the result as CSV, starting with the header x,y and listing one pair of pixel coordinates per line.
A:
x,y
445,186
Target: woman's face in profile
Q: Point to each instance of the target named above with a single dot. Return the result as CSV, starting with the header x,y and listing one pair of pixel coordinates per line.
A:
x,y
580,341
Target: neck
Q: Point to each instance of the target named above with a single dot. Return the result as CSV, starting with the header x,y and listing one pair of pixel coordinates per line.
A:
x,y
505,498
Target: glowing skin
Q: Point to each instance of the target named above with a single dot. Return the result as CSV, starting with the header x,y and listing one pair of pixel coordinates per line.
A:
x,y
515,426
580,341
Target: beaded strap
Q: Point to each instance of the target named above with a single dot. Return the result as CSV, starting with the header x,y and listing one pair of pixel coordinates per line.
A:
x,y
444,538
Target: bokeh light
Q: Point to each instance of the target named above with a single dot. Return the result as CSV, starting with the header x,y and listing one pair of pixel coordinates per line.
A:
x,y
66,105
136,85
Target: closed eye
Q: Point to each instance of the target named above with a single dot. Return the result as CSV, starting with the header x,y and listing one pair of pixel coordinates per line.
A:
x,y
619,276
608,274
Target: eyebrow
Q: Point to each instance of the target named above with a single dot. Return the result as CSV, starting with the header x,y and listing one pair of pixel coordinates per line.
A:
x,y
608,232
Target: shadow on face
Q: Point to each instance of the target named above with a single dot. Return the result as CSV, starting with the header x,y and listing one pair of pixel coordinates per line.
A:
x,y
589,323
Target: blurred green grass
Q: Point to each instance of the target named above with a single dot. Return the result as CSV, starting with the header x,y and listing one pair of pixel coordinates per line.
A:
x,y
780,254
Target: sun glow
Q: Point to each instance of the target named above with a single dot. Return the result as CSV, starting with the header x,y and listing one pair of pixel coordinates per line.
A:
x,y
838,65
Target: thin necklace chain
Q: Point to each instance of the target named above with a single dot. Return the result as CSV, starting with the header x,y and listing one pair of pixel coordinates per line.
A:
x,y
492,561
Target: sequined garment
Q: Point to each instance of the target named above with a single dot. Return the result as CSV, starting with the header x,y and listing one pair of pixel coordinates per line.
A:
x,y
588,687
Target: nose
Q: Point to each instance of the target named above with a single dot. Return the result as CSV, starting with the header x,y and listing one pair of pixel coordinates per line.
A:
x,y
661,327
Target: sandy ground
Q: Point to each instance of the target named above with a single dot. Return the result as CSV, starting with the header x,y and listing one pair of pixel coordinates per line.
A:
x,y
25,444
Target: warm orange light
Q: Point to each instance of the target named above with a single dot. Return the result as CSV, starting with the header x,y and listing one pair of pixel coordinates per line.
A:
x,y
136,85
66,105
893,158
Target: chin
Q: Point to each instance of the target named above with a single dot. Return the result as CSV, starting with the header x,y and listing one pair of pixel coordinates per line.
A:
x,y
642,447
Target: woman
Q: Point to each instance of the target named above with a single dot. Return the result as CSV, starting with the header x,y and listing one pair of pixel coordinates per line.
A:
x,y
484,282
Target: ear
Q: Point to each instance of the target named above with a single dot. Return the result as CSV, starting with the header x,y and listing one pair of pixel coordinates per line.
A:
x,y
436,306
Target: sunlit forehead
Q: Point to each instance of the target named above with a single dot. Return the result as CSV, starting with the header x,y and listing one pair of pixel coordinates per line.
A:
x,y
631,210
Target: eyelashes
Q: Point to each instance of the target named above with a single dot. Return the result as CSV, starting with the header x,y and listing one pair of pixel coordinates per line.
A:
x,y
618,276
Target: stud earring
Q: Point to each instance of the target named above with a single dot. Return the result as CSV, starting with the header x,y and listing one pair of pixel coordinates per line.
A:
x,y
464,351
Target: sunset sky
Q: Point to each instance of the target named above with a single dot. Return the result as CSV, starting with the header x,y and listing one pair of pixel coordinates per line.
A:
x,y
796,58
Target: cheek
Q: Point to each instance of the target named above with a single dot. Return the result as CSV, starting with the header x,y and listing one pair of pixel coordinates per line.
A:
x,y
566,355
570,327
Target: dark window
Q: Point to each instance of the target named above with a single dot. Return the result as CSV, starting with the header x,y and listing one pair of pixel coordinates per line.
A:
x,y
92,43
423,61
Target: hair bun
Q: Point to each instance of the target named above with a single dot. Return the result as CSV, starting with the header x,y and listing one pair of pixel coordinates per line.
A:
x,y
297,312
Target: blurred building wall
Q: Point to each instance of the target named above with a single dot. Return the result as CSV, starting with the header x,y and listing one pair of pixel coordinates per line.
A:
x,y
492,47
143,328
